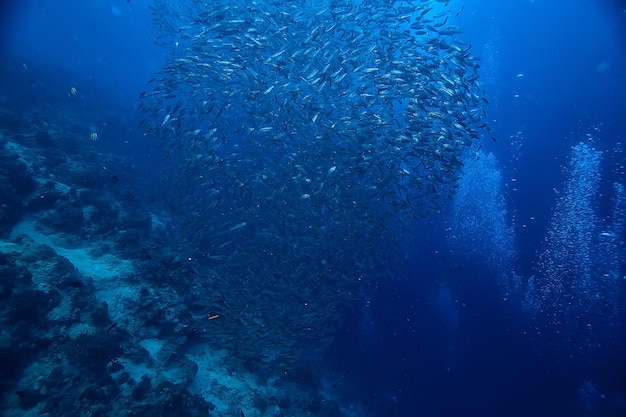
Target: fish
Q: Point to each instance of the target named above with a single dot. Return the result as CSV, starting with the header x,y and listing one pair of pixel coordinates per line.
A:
x,y
320,126
112,326
238,226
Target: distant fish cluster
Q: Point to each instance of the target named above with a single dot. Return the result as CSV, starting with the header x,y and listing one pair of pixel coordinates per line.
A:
x,y
304,134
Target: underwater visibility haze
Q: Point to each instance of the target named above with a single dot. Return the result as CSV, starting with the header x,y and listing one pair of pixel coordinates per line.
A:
x,y
312,208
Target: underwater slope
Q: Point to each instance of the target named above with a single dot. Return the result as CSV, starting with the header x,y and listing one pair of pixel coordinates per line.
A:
x,y
100,308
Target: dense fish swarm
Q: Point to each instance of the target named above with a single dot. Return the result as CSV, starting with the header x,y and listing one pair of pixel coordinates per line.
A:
x,y
305,134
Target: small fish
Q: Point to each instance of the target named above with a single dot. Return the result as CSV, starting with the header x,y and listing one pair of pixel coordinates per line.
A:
x,y
238,226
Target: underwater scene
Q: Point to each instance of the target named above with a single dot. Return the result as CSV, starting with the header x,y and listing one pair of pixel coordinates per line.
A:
x,y
323,208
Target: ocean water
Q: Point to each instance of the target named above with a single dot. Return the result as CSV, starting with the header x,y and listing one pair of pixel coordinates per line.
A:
x,y
312,208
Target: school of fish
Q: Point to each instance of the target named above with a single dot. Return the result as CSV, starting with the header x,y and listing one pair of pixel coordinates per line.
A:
x,y
306,137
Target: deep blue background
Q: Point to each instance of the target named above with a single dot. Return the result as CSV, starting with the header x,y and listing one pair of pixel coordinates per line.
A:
x,y
555,74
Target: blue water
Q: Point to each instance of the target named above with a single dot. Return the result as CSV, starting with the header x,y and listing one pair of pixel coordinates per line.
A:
x,y
508,300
